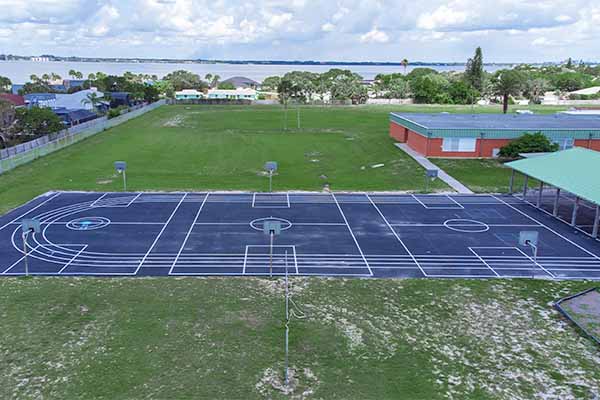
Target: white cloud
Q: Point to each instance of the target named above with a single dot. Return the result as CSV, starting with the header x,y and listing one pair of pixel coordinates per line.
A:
x,y
328,27
430,30
375,36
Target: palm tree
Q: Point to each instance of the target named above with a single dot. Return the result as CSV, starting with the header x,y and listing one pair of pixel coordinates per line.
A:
x,y
404,63
93,99
75,74
215,81
507,83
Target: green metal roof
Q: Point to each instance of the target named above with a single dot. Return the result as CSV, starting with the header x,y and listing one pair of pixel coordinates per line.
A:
x,y
574,170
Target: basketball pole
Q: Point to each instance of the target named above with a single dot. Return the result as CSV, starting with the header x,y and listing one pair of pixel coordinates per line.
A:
x,y
124,181
272,233
287,321
25,252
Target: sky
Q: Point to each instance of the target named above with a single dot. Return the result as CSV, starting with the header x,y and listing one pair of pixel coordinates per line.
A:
x,y
340,30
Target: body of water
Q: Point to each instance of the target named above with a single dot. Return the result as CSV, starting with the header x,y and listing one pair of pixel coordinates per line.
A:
x,y
19,71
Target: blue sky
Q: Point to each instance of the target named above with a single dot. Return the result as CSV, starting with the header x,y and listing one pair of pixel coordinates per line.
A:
x,y
357,30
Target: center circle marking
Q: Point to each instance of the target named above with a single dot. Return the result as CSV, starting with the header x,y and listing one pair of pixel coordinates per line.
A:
x,y
257,224
88,223
466,225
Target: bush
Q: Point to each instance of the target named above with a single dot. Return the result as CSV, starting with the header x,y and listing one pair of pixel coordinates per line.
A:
x,y
528,143
115,112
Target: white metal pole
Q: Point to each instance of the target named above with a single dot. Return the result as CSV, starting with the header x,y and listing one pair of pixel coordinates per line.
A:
x,y
540,194
124,181
25,252
287,322
556,203
596,222
271,256
575,209
270,181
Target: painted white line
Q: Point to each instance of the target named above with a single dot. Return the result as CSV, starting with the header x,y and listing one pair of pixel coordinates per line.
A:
x,y
189,232
352,233
16,263
550,229
73,259
460,205
483,261
134,199
491,225
160,234
34,208
397,237
536,263
98,199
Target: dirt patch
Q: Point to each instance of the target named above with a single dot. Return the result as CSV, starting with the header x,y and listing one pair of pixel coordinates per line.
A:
x,y
104,181
174,122
302,383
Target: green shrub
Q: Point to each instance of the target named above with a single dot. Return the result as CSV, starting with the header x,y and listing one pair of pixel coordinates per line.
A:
x,y
528,143
115,112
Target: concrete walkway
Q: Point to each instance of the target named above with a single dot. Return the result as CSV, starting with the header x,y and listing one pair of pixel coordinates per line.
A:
x,y
425,163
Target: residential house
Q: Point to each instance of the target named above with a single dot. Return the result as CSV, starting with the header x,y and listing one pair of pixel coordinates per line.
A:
x,y
189,94
237,94
40,99
74,101
118,99
74,117
14,99
241,82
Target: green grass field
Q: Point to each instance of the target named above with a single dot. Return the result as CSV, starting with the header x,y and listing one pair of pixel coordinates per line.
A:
x,y
222,338
224,148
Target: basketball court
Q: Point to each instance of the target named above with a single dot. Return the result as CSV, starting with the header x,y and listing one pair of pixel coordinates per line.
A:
x,y
352,234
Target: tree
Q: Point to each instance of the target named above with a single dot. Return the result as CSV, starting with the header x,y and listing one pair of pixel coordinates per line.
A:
x,y
535,88
75,74
397,89
5,85
528,143
165,88
271,83
37,121
55,77
226,86
92,99
507,83
150,93
404,63
215,81
461,92
430,89
474,73
182,79
570,81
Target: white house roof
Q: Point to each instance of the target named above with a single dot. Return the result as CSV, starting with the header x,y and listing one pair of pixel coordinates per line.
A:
x,y
587,91
232,92
189,92
73,101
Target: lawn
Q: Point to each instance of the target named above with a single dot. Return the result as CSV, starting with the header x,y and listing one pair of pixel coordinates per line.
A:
x,y
72,338
224,148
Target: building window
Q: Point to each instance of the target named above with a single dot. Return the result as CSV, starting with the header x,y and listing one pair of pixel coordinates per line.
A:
x,y
461,145
564,143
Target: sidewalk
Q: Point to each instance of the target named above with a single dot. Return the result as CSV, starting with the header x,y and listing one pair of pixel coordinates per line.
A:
x,y
425,163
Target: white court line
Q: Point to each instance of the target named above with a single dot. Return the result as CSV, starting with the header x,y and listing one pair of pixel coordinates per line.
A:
x,y
34,208
483,261
98,199
73,259
17,262
134,199
352,234
492,225
397,237
536,263
159,234
442,207
189,232
550,229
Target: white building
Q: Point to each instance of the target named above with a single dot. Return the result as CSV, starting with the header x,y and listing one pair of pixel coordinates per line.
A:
x,y
236,94
188,94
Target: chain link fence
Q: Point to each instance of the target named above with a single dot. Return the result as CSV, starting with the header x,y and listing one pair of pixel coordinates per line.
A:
x,y
15,156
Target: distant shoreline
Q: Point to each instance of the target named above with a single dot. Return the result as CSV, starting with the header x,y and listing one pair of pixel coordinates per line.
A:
x,y
236,62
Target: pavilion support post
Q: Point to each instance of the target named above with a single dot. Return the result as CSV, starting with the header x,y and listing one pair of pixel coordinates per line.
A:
x,y
525,186
556,203
511,185
596,223
540,194
575,210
